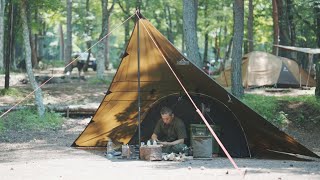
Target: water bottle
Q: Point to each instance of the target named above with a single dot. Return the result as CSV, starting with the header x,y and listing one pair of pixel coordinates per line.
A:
x,y
109,150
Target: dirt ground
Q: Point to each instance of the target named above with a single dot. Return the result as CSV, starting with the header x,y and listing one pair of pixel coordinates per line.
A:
x,y
48,155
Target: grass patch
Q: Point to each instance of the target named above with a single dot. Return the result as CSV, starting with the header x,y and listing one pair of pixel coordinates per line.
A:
x,y
264,105
302,109
10,92
28,120
107,80
53,63
310,100
278,110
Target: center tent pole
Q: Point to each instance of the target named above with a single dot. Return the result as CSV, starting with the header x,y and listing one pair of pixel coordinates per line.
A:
x,y
139,89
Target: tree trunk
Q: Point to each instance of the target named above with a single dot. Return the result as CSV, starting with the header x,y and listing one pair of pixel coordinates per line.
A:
x,y
89,33
2,7
33,40
106,47
26,40
219,43
292,27
103,50
34,53
190,31
317,20
283,28
126,10
61,42
68,51
183,44
100,60
41,41
317,90
216,47
169,24
226,41
206,34
275,15
236,78
127,32
227,57
206,47
9,45
250,27
101,46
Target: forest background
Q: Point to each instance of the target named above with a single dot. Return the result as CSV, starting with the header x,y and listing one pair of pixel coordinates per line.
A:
x,y
50,31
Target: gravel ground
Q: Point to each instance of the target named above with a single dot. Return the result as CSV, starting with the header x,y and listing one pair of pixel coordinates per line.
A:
x,y
49,156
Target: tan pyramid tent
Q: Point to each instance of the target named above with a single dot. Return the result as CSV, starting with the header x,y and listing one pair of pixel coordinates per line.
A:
x,y
244,133
264,69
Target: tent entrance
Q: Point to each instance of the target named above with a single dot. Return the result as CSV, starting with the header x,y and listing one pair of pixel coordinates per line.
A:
x,y
286,78
232,135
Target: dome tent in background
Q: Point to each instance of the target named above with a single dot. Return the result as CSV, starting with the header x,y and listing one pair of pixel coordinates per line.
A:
x,y
264,69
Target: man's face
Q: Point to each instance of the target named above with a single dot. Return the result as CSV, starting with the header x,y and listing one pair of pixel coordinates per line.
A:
x,y
167,118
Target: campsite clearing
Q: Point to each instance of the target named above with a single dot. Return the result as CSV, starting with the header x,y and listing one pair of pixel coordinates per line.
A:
x,y
48,155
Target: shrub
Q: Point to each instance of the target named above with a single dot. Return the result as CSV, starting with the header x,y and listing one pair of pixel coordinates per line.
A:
x,y
28,120
10,92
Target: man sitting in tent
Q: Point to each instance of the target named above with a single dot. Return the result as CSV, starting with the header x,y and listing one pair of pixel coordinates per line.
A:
x,y
170,132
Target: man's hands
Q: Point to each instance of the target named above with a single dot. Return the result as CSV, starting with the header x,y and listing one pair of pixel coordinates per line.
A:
x,y
164,143
154,137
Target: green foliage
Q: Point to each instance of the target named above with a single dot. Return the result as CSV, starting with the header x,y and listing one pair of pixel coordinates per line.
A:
x,y
215,18
107,80
54,63
10,92
270,108
2,128
264,105
28,120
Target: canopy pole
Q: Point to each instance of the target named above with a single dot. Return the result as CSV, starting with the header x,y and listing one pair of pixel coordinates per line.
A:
x,y
139,89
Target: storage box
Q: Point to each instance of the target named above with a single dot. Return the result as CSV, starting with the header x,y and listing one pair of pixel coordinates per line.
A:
x,y
202,147
151,153
202,141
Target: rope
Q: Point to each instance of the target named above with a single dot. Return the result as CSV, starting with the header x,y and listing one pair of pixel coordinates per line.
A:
x,y
66,66
197,109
